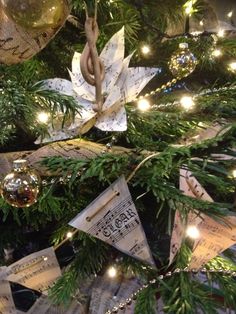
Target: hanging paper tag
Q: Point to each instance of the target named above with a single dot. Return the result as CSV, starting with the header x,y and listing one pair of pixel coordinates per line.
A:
x,y
7,305
113,218
38,271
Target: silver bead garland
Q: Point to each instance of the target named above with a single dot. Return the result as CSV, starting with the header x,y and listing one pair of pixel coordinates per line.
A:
x,y
133,296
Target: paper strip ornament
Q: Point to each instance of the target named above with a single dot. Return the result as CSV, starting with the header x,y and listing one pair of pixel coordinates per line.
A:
x,y
120,86
113,218
18,43
215,237
37,271
7,305
44,306
108,293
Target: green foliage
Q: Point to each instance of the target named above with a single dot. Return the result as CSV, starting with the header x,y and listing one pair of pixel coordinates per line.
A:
x,y
165,129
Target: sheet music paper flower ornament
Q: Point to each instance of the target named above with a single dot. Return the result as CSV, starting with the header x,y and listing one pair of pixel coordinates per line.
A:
x,y
120,86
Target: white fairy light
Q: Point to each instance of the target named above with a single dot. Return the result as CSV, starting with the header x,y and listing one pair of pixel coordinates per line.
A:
x,y
42,117
234,173
144,105
201,23
221,33
45,258
232,66
187,102
112,272
145,49
230,14
69,235
216,53
192,232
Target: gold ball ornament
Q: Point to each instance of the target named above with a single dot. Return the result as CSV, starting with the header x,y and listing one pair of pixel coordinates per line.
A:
x,y
183,62
27,26
39,14
21,187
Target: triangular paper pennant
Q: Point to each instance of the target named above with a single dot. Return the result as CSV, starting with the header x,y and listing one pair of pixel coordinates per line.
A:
x,y
113,218
37,271
7,305
214,236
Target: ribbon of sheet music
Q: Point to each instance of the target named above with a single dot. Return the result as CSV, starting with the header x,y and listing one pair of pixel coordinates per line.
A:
x,y
112,217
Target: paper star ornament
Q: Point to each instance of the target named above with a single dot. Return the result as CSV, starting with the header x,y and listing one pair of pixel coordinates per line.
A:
x,y
120,86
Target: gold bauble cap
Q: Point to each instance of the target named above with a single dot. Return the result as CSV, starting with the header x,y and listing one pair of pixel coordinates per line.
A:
x,y
183,45
20,164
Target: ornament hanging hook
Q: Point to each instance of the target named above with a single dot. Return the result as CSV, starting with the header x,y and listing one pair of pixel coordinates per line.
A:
x,y
91,66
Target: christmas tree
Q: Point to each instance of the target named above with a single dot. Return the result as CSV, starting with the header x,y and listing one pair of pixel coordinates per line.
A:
x,y
117,156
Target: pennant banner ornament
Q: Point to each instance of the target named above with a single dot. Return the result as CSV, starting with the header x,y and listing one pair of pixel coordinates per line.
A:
x,y
37,271
44,306
113,218
7,305
214,237
106,293
120,86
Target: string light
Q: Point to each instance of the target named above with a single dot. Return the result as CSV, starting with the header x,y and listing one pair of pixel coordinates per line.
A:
x,y
230,14
192,232
216,53
145,49
232,66
189,7
187,102
234,173
112,272
201,23
69,235
42,117
143,105
221,33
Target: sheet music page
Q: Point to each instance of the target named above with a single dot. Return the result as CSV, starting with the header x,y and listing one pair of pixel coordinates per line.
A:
x,y
7,305
37,271
114,220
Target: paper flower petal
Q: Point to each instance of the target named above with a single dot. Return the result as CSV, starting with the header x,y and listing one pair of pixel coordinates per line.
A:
x,y
114,49
114,120
113,97
60,85
111,75
136,80
76,63
82,88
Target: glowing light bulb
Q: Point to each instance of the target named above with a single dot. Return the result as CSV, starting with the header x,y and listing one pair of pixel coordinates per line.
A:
x,y
143,105
192,232
42,117
221,33
230,14
145,49
232,66
201,23
189,7
112,272
187,102
234,173
216,53
45,258
69,235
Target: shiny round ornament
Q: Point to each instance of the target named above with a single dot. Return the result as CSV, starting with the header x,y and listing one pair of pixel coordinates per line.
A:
x,y
20,188
36,14
183,62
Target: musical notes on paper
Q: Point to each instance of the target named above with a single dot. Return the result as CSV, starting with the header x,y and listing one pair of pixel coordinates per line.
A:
x,y
108,293
214,236
43,305
7,305
214,239
113,218
37,271
121,85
